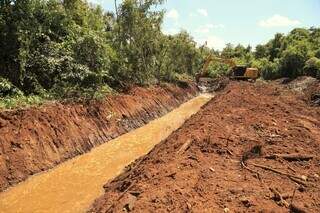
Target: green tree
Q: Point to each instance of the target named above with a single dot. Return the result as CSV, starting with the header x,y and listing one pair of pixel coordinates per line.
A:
x,y
274,46
182,54
292,62
138,33
261,51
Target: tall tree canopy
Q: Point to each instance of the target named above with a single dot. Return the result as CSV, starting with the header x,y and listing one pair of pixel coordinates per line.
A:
x,y
71,48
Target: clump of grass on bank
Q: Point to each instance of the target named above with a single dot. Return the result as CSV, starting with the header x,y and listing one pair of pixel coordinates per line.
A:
x,y
20,102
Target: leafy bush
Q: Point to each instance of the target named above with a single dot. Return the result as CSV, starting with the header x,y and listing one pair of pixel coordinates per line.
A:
x,y
8,89
269,70
217,70
312,67
20,101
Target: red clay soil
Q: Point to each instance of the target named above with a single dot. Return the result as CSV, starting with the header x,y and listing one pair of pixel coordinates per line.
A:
x,y
36,139
198,168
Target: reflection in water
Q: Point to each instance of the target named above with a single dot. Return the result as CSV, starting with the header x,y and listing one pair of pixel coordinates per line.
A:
x,y
72,186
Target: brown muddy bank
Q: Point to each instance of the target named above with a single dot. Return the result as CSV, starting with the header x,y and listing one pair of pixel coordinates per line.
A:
x,y
36,139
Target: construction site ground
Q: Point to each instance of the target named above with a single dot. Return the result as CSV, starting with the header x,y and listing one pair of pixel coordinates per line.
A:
x,y
255,147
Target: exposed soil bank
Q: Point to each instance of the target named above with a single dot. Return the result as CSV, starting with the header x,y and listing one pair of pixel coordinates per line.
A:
x,y
73,186
37,139
198,169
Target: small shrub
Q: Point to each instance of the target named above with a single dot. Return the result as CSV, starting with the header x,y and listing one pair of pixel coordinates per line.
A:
x,y
8,89
269,70
312,67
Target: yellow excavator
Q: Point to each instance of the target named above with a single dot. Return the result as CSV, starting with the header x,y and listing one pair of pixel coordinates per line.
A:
x,y
238,72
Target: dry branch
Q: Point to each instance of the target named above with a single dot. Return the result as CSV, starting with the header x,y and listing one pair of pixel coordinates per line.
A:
x,y
121,196
184,147
291,157
251,170
279,197
295,178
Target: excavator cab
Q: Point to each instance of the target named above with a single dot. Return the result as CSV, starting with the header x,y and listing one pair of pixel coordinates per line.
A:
x,y
242,72
239,70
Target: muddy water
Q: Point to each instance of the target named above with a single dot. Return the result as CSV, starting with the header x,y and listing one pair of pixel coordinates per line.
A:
x,y
73,185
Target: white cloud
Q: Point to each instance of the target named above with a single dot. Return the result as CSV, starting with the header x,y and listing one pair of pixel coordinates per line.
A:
x,y
203,12
278,21
207,28
212,42
173,14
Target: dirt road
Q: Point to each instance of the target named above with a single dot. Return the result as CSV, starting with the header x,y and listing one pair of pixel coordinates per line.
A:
x,y
271,130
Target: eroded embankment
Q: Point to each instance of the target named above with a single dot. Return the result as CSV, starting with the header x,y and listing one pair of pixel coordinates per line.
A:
x,y
198,168
37,139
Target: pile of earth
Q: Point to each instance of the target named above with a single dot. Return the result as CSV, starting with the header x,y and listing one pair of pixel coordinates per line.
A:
x,y
253,148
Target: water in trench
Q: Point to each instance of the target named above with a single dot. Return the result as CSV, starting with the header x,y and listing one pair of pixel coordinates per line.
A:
x,y
72,186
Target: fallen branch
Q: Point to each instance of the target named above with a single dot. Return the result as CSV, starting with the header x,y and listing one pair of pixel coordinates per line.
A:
x,y
293,194
129,170
251,170
229,152
291,157
184,147
296,209
121,196
279,197
295,178
289,167
298,181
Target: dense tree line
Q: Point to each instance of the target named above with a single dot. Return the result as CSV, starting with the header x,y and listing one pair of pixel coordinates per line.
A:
x,y
292,55
70,48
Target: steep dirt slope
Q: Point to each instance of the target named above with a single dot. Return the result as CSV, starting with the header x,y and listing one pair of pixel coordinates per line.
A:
x,y
36,139
198,168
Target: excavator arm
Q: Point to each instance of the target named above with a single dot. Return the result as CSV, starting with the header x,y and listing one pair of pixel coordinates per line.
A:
x,y
209,59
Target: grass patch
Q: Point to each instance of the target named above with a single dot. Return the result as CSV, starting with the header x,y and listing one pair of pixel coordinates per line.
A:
x,y
21,101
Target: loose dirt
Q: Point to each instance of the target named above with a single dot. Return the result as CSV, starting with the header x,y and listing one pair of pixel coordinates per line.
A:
x,y
253,148
37,139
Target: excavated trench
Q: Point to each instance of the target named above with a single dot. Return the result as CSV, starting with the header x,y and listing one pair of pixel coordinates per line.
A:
x,y
36,139
73,185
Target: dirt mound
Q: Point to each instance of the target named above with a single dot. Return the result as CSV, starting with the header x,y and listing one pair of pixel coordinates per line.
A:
x,y
253,148
301,84
36,139
312,94
307,87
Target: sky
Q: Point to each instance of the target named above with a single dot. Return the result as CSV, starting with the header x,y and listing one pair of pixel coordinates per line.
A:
x,y
246,22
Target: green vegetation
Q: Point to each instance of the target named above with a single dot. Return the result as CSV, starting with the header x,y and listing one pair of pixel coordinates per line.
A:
x,y
289,55
69,49
53,49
